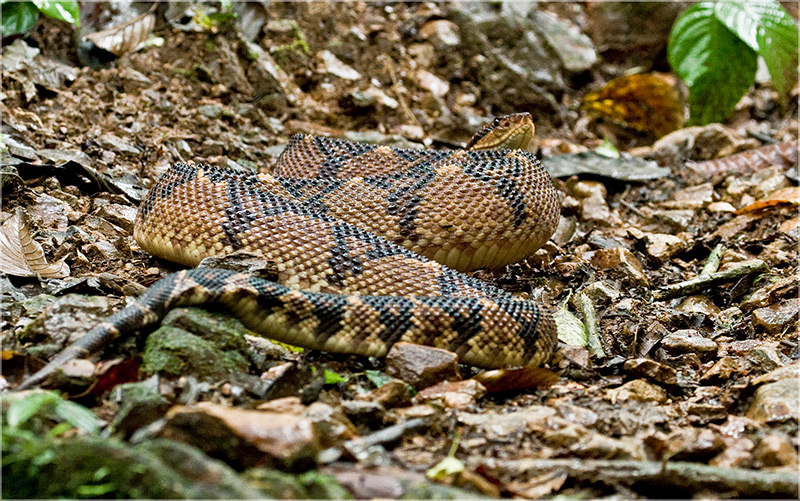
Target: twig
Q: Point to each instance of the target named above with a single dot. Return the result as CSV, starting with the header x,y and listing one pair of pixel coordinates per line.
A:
x,y
713,261
694,477
590,322
705,281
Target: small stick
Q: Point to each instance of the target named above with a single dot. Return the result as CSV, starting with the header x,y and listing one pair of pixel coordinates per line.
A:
x,y
713,261
705,281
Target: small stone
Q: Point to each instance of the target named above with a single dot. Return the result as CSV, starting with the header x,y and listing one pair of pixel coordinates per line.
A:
x,y
453,394
432,83
78,368
441,32
661,246
776,402
688,341
774,451
102,250
693,444
594,207
722,370
577,415
650,369
693,197
720,207
421,366
112,142
622,260
638,389
286,405
673,220
333,425
777,317
365,413
122,215
729,316
699,304
601,292
286,439
392,394
598,446
336,67
211,111
789,372
768,294
531,418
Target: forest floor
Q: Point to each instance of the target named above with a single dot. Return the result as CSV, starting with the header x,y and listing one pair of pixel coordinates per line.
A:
x,y
681,390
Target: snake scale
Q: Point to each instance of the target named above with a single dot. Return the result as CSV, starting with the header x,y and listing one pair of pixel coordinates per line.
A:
x,y
368,241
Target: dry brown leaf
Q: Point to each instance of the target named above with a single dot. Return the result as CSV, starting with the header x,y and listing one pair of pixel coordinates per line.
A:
x,y
781,198
22,256
125,37
647,102
782,154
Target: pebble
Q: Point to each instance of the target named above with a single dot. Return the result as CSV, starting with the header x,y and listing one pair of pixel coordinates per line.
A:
x,y
336,67
622,260
699,304
776,402
592,195
720,207
777,317
122,215
531,418
774,451
722,370
601,292
432,83
453,394
421,366
441,32
650,369
392,394
638,389
688,341
693,197
662,246
673,220
598,446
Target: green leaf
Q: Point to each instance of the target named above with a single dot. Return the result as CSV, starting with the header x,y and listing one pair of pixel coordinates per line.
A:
x,y
63,10
447,467
334,378
716,65
77,415
769,29
377,378
22,410
18,17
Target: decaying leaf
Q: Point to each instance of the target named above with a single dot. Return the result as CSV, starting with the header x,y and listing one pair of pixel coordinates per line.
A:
x,y
516,379
747,162
126,37
647,102
785,197
22,256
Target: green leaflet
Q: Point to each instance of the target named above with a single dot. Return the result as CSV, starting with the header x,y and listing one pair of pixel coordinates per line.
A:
x,y
713,47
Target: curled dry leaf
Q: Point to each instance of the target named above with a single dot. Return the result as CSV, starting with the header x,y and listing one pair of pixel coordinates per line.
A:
x,y
22,256
647,102
126,37
747,162
784,197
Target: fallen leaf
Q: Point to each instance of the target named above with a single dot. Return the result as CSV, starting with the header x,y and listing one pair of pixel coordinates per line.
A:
x,y
22,256
789,196
516,379
647,102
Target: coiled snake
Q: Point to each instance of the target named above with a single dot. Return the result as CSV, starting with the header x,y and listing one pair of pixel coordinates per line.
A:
x,y
367,240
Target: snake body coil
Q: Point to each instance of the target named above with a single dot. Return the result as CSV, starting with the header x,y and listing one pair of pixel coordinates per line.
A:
x,y
367,241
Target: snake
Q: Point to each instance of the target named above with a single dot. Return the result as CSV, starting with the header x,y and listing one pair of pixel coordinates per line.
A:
x,y
371,244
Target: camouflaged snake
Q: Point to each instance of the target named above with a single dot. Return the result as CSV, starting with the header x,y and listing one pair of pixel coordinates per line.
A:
x,y
367,241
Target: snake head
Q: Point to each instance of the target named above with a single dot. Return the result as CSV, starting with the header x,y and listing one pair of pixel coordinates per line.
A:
x,y
508,132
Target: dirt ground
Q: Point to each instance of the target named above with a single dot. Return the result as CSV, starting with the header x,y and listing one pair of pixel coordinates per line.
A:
x,y
680,391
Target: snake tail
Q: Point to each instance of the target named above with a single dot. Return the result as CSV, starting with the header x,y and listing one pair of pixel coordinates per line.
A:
x,y
364,325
